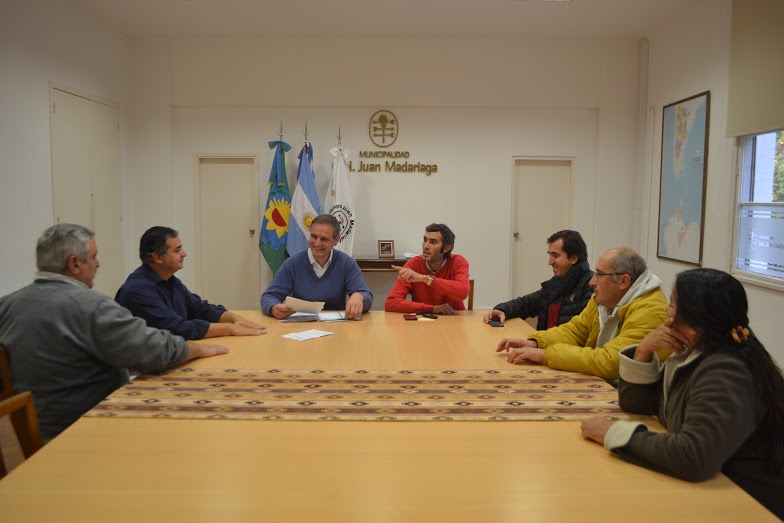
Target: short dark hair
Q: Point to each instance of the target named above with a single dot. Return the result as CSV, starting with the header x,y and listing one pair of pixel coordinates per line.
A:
x,y
155,241
328,219
447,236
573,244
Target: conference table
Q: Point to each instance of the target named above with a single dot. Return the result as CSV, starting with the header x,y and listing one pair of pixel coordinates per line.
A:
x,y
135,469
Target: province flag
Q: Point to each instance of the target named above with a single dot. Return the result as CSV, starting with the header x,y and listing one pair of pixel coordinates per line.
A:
x,y
338,200
275,223
305,204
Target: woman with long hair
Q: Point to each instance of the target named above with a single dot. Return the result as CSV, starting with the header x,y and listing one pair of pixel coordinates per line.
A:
x,y
720,395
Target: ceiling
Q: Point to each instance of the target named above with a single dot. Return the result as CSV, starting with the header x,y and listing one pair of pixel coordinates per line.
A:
x,y
333,18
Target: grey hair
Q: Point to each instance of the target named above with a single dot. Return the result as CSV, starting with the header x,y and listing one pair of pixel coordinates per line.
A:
x,y
328,219
60,242
627,261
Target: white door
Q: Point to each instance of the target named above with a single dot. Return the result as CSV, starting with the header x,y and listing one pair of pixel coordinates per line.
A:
x,y
542,205
227,219
86,173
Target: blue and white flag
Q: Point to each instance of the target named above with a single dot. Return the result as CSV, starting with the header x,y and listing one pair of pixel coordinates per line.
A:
x,y
338,201
305,204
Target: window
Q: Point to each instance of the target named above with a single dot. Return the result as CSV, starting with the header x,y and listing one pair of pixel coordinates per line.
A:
x,y
760,212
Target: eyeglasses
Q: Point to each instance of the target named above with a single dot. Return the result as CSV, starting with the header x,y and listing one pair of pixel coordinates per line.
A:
x,y
599,274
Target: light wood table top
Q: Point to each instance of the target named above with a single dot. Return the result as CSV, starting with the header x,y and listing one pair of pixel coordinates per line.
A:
x,y
239,470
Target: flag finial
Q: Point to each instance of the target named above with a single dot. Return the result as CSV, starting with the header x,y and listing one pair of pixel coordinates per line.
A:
x,y
280,133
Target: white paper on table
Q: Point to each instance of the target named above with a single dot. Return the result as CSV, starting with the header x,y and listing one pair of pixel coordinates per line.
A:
x,y
313,307
299,317
335,316
307,335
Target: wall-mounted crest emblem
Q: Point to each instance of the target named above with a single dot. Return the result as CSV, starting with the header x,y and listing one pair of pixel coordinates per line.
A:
x,y
383,128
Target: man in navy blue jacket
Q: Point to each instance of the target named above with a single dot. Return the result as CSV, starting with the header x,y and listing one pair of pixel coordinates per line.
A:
x,y
153,292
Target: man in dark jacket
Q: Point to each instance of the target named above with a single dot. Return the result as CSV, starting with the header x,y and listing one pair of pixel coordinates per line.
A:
x,y
564,295
152,292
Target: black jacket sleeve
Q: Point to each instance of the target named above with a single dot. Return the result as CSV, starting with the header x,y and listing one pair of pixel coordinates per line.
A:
x,y
526,306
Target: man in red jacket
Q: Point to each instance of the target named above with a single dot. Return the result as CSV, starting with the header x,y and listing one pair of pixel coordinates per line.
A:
x,y
437,280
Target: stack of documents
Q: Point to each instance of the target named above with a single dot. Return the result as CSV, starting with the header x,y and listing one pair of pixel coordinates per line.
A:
x,y
312,311
300,316
335,316
306,310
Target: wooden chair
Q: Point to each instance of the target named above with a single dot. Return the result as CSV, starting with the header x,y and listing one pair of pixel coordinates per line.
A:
x,y
21,437
470,294
22,412
5,376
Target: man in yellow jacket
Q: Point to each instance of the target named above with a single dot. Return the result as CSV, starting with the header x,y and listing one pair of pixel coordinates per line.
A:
x,y
627,304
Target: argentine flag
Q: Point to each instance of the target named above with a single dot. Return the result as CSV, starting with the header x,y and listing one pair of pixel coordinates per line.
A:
x,y
305,203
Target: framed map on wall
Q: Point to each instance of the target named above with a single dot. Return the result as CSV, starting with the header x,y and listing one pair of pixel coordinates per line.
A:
x,y
684,168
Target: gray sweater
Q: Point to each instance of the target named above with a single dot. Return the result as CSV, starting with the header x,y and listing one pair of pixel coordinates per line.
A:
x,y
72,347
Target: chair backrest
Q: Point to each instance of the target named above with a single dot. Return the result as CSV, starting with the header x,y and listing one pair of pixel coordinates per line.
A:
x,y
5,376
21,409
470,294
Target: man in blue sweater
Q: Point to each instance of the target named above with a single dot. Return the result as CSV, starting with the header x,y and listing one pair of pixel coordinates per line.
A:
x,y
320,273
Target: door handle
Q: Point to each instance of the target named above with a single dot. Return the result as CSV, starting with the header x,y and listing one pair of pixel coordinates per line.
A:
x,y
516,235
252,233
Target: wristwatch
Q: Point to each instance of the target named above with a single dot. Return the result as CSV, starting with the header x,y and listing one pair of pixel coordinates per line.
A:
x,y
429,279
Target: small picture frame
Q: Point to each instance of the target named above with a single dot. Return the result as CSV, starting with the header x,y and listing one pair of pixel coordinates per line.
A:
x,y
386,248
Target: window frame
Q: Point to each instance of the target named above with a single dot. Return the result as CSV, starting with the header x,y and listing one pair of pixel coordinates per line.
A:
x,y
744,197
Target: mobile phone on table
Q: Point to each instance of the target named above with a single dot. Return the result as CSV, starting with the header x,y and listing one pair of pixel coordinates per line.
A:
x,y
495,323
409,317
430,316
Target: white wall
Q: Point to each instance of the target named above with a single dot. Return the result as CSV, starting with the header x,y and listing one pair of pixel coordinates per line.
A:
x,y
469,106
470,192
42,41
149,183
688,56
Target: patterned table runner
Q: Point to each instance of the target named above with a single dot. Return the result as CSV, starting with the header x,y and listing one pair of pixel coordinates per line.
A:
x,y
367,395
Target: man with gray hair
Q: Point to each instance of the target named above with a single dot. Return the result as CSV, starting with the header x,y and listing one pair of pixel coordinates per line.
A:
x,y
627,304
320,273
72,346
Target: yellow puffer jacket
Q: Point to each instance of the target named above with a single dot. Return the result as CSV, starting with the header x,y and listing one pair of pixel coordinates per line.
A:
x,y
572,346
